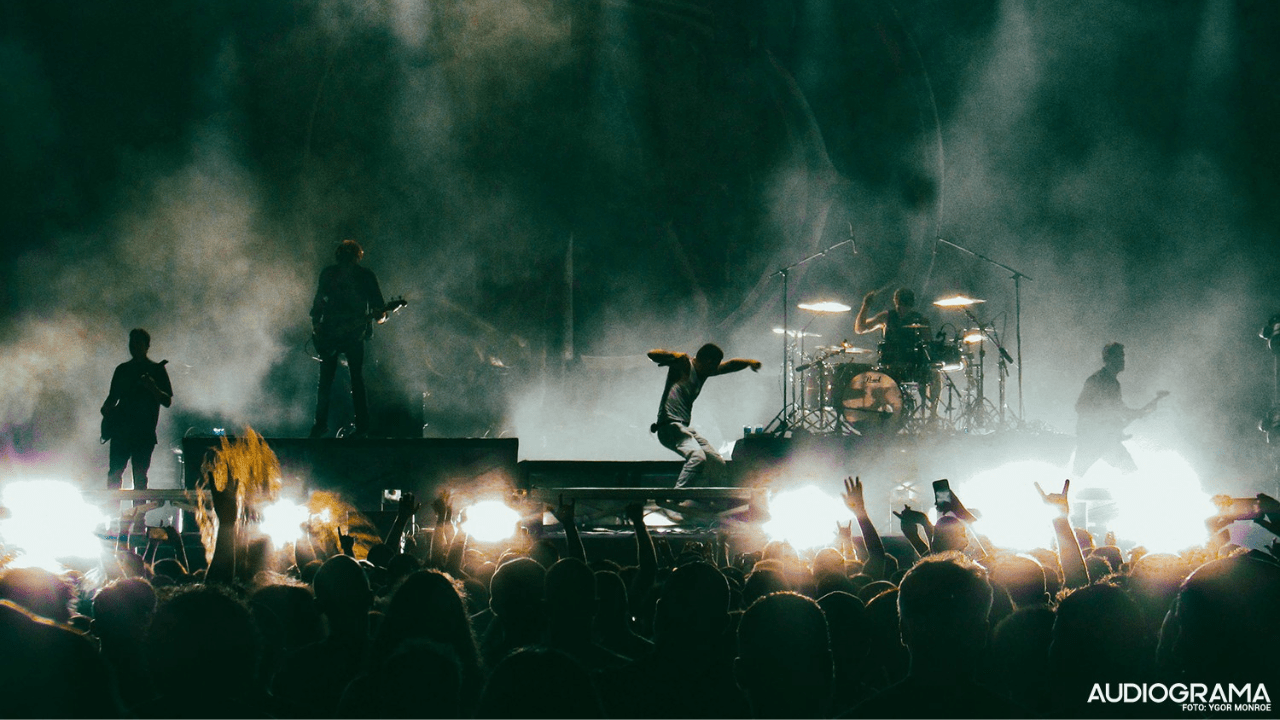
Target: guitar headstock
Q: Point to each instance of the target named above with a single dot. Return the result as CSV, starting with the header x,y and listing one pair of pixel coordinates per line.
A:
x,y
395,305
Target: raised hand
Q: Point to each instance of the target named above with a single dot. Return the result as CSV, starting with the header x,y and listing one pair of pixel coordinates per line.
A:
x,y
564,512
754,365
442,508
911,518
226,504
844,533
408,506
1057,500
853,495
347,543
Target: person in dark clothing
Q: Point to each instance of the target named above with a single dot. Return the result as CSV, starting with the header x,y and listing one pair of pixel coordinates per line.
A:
x,y
348,300
1103,416
132,408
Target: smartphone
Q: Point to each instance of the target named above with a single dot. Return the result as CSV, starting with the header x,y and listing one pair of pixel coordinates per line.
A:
x,y
391,496
942,495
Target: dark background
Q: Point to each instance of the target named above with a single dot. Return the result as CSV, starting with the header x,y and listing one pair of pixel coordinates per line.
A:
x,y
188,167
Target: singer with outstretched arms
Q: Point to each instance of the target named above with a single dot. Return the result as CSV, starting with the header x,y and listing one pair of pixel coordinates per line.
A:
x,y
685,377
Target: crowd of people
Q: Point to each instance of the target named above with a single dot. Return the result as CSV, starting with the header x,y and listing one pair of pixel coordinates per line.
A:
x,y
429,624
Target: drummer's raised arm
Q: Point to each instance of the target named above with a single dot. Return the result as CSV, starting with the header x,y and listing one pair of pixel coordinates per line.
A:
x,y
862,324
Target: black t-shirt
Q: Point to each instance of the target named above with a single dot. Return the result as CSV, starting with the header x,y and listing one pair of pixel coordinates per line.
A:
x,y
133,408
345,291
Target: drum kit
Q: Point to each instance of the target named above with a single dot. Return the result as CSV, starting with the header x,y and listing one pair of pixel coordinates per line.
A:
x,y
850,390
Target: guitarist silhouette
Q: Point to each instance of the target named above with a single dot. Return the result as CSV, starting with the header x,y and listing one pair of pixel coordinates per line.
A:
x,y
348,301
1103,416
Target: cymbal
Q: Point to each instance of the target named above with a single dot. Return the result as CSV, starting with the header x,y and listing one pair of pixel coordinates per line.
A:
x,y
957,301
847,350
825,306
916,326
973,337
795,333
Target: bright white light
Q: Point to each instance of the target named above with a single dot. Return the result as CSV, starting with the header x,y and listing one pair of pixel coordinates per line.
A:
x,y
1014,516
282,521
805,517
48,519
657,519
490,521
825,306
1161,505
957,301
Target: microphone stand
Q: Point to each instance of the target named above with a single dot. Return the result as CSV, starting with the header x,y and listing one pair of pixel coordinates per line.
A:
x,y
781,421
1017,278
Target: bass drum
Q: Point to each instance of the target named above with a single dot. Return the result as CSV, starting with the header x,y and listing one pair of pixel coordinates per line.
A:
x,y
871,401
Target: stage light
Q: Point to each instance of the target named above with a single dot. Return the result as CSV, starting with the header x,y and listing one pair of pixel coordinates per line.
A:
x,y
825,306
282,521
805,517
49,520
1161,505
490,521
1014,516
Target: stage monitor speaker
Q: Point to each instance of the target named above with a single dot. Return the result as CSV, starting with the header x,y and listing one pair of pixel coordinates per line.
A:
x,y
361,469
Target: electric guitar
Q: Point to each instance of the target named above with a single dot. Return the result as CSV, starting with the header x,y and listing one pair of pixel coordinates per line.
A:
x,y
1111,429
112,418
330,337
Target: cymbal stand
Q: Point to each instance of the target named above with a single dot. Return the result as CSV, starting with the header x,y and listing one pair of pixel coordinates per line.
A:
x,y
988,333
1017,278
782,422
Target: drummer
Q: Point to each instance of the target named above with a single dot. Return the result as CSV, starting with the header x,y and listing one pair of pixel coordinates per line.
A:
x,y
906,334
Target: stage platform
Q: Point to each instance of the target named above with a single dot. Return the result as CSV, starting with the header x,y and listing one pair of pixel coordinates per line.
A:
x,y
894,469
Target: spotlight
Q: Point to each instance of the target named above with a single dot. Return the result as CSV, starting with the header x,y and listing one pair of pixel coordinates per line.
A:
x,y
805,517
49,520
282,521
490,521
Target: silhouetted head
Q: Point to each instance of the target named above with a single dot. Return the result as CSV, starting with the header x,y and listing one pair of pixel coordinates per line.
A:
x,y
218,630
122,610
943,606
341,588
784,661
1113,357
1023,578
516,592
763,580
39,591
571,592
537,682
848,626
139,343
708,358
694,605
611,592
1113,556
348,252
1098,627
904,299
949,535
1224,625
429,604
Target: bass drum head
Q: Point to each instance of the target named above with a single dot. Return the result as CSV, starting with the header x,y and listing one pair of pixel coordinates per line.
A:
x,y
871,401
